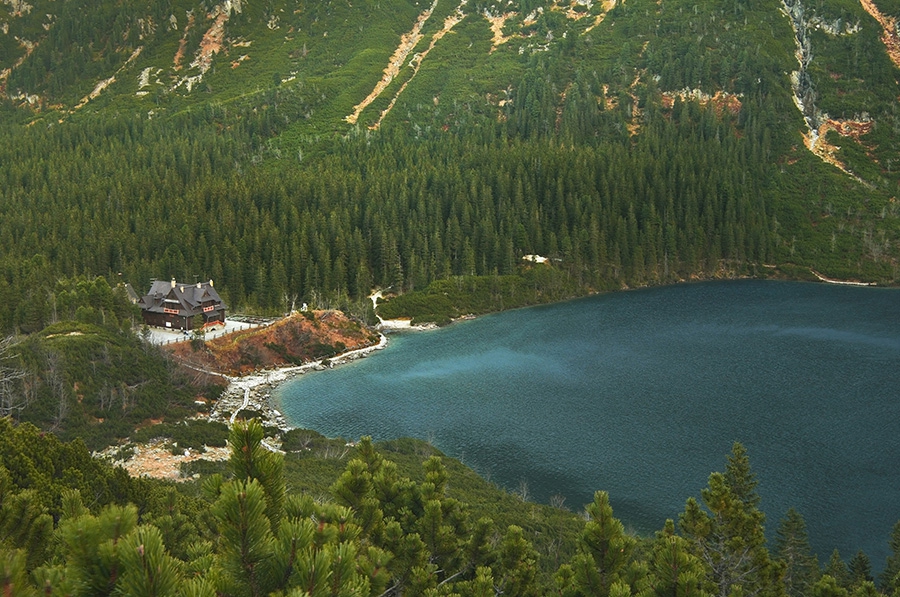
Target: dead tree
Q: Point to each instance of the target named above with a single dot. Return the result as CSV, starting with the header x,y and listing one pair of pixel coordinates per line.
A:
x,y
12,398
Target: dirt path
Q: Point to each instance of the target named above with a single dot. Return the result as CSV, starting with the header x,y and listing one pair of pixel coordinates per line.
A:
x,y
889,30
408,42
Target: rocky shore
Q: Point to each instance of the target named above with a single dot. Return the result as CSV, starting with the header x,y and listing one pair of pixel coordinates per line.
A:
x,y
249,392
254,392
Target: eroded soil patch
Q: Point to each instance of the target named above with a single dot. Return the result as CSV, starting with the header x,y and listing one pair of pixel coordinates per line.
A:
x,y
408,42
720,101
888,30
416,62
827,151
607,6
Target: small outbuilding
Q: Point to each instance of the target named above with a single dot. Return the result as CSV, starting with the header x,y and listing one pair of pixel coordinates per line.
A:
x,y
174,306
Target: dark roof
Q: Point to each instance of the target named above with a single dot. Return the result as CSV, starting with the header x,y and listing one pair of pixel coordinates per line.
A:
x,y
132,295
187,299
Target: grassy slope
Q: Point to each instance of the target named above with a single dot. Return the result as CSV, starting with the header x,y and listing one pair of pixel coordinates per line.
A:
x,y
336,52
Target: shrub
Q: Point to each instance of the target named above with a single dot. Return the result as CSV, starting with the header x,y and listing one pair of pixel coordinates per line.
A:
x,y
301,439
187,434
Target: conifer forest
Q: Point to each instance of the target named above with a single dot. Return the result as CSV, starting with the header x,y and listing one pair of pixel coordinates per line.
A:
x,y
317,151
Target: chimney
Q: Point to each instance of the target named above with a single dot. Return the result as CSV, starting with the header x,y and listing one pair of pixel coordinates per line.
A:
x,y
173,283
198,284
211,282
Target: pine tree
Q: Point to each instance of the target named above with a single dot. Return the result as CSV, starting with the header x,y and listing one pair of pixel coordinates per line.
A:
x,y
24,523
251,460
147,569
728,536
14,574
92,547
247,543
672,568
604,550
828,586
518,563
865,589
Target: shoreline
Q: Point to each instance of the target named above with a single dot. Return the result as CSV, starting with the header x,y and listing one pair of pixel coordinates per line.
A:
x,y
841,282
253,391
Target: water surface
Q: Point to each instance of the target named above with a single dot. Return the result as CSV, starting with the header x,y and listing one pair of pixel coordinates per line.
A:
x,y
643,393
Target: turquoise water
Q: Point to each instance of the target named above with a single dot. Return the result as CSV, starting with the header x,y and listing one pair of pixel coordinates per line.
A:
x,y
643,393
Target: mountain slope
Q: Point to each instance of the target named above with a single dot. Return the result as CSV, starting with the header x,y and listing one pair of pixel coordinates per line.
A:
x,y
316,150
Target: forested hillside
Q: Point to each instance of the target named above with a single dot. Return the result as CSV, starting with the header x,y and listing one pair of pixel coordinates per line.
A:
x,y
316,151
72,525
312,152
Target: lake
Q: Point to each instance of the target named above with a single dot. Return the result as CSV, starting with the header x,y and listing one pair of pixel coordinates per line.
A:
x,y
643,393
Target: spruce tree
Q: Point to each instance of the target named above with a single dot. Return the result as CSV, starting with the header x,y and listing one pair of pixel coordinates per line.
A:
x,y
837,569
793,550
860,569
889,579
740,479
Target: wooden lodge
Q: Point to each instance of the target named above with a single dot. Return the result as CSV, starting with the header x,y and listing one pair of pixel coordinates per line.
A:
x,y
174,305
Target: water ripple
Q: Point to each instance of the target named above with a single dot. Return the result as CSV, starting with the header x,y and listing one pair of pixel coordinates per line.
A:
x,y
642,394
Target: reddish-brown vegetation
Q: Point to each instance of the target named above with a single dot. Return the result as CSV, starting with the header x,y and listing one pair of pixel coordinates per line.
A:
x,y
721,101
294,340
